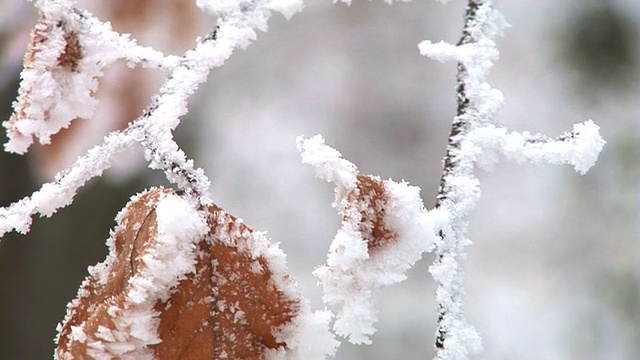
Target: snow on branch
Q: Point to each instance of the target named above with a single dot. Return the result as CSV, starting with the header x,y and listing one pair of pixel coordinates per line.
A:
x,y
385,230
59,193
186,278
475,140
70,48
579,148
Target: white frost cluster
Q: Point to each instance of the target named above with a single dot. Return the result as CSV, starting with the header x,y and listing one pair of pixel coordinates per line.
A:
x,y
477,55
353,274
327,162
229,8
307,336
67,96
580,148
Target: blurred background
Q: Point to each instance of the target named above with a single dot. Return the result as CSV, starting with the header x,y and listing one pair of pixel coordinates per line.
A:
x,y
554,271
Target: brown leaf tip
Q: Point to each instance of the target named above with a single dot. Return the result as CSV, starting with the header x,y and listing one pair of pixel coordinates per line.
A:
x,y
45,33
72,53
370,199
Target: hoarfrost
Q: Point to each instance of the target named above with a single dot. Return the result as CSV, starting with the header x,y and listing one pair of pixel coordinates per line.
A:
x,y
385,230
308,337
73,79
475,140
179,227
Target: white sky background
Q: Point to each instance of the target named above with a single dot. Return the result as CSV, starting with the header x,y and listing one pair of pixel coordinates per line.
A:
x,y
354,74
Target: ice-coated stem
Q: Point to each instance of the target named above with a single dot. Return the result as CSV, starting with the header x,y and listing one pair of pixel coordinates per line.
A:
x,y
459,190
236,26
475,138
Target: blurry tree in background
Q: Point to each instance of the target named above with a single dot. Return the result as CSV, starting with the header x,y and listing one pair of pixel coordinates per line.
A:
x,y
554,269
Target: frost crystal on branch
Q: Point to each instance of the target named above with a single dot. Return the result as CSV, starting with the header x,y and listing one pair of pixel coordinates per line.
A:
x,y
579,148
475,140
61,71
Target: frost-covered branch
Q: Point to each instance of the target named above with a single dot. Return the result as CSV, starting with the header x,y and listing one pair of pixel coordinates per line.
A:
x,y
579,148
69,50
475,140
459,188
59,193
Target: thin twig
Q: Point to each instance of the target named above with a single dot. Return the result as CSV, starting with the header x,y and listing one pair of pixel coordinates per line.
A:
x,y
459,129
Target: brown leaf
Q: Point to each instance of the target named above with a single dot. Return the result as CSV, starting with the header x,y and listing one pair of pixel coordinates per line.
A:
x,y
47,39
41,36
370,199
230,307
72,52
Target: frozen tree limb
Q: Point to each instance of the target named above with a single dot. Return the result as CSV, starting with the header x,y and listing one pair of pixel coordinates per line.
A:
x,y
474,139
95,47
579,148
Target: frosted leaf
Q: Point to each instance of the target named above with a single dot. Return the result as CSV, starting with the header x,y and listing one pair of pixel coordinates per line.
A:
x,y
385,230
58,80
112,325
151,251
184,283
